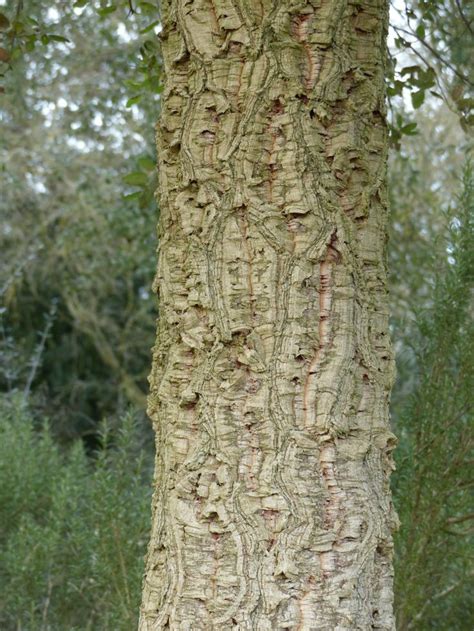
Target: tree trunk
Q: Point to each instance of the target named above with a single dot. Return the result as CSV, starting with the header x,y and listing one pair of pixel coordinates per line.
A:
x,y
273,366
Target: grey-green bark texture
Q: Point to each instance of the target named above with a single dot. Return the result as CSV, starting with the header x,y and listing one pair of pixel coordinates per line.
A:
x,y
272,368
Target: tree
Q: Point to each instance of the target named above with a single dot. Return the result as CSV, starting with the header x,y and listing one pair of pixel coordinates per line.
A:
x,y
71,244
433,484
272,367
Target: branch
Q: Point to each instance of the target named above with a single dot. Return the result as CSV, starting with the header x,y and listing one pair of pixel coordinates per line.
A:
x,y
437,596
434,53
463,17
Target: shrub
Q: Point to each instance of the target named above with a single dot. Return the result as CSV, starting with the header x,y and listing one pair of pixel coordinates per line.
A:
x,y
73,529
433,483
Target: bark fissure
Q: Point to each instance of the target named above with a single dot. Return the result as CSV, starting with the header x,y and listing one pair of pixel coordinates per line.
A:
x,y
272,367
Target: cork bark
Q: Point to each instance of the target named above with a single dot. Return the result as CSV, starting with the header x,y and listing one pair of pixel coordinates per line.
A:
x,y
273,366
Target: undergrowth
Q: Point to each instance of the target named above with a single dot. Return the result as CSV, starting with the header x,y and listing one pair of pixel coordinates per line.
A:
x,y
73,529
433,483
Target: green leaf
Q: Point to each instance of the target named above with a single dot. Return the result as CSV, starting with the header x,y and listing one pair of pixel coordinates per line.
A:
x,y
4,22
396,88
134,195
148,28
147,7
81,3
134,99
410,129
147,163
427,78
137,178
59,38
107,10
420,31
465,103
417,98
45,39
410,70
133,84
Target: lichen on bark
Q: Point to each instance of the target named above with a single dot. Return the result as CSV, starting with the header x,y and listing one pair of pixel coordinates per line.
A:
x,y
272,367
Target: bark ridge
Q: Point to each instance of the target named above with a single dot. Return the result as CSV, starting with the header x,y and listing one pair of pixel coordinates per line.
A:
x,y
273,366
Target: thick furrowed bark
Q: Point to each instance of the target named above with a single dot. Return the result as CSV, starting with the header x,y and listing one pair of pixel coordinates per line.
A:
x,y
273,366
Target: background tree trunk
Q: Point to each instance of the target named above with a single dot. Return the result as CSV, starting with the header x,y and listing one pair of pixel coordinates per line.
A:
x,y
273,367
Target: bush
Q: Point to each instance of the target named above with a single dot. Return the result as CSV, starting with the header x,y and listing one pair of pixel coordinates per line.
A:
x,y
73,529
433,483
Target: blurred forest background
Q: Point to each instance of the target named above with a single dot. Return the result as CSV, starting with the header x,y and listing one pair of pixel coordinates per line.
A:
x,y
79,99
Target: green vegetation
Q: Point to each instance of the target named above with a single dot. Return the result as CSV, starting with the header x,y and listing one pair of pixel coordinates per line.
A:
x,y
73,530
77,316
433,481
77,254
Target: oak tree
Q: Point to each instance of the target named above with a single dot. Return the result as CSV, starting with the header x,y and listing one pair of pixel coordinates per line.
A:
x,y
272,366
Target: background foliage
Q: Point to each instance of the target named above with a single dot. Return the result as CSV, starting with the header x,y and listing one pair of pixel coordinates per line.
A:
x,y
77,252
74,531
81,88
433,419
